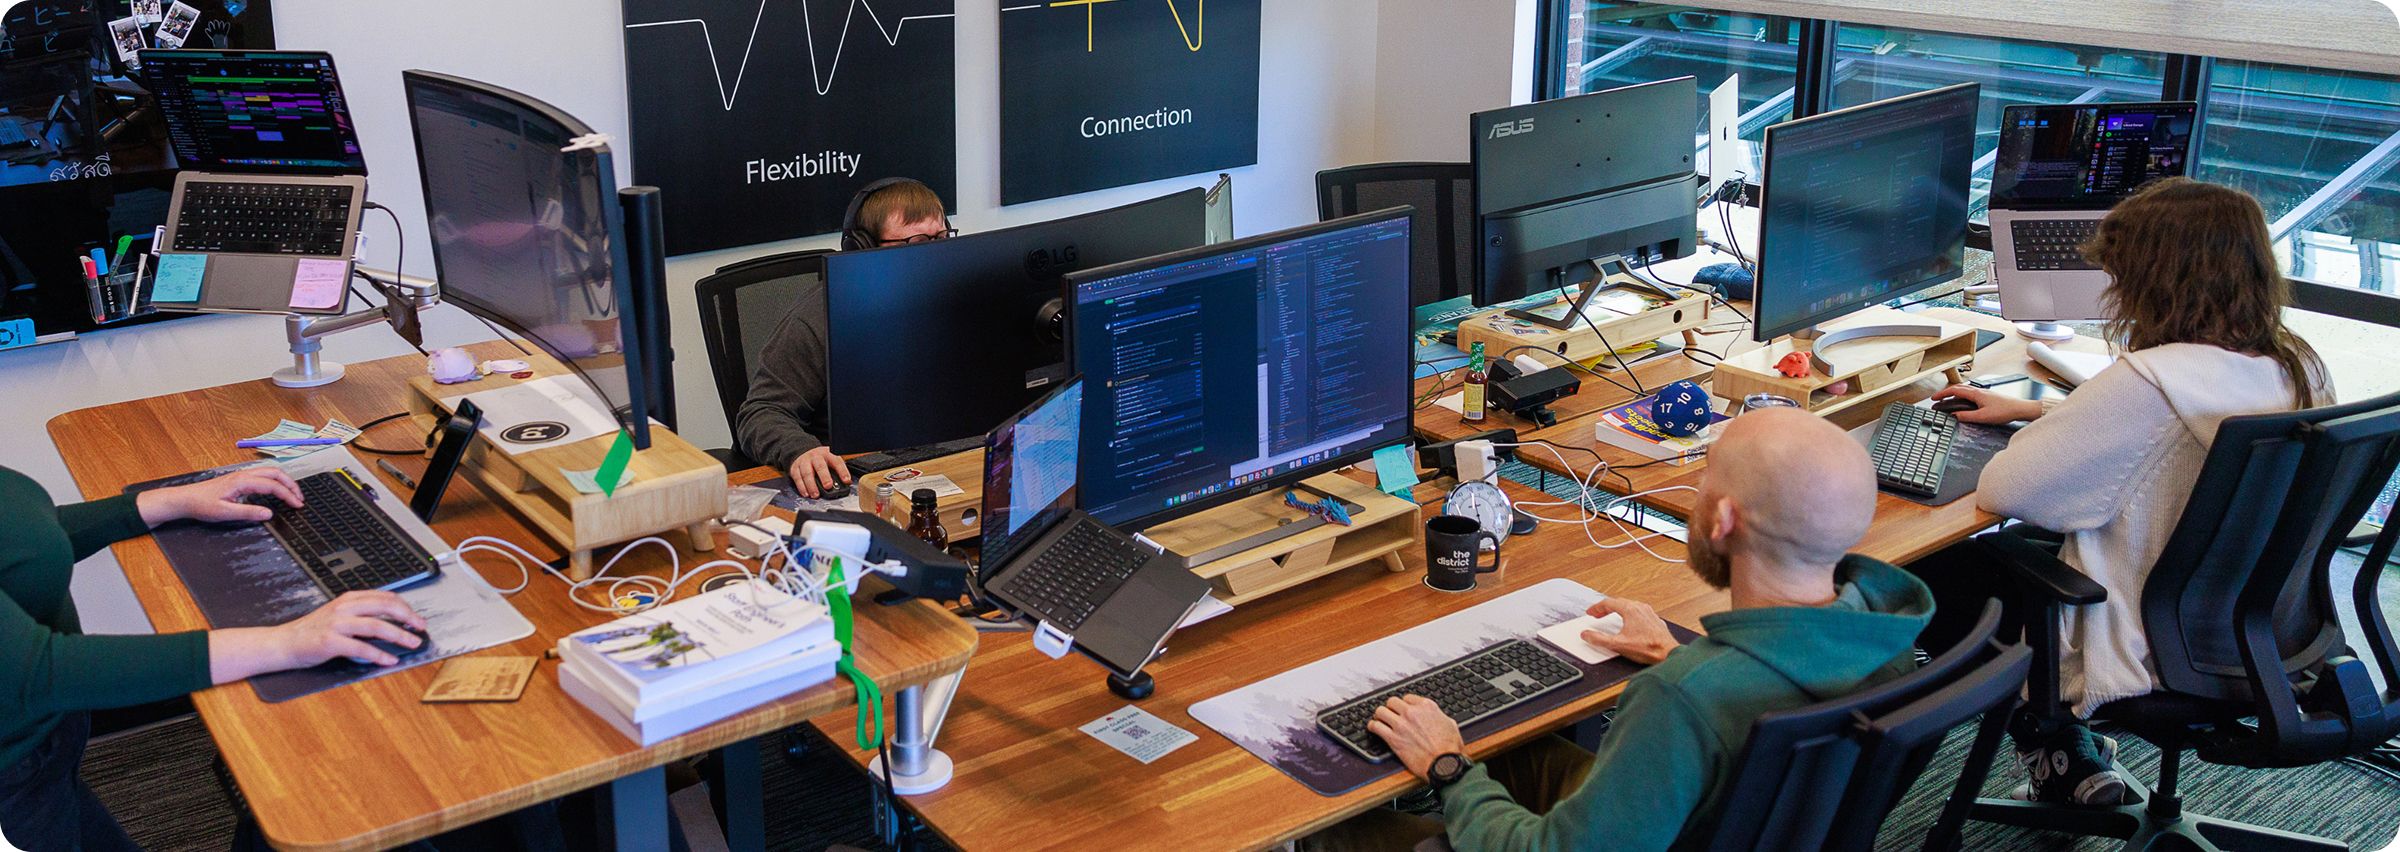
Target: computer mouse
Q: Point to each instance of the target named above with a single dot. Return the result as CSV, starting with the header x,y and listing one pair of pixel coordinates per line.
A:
x,y
424,642
838,491
1954,405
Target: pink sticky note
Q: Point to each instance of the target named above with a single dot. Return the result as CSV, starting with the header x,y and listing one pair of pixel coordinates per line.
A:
x,y
318,284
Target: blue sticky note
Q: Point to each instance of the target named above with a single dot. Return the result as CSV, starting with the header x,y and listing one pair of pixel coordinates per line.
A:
x,y
1395,472
179,278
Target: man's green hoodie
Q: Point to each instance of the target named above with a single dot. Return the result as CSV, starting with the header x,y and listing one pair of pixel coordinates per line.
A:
x,y
1681,725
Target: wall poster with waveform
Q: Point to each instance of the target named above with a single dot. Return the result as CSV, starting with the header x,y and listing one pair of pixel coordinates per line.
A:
x,y
760,118
1103,93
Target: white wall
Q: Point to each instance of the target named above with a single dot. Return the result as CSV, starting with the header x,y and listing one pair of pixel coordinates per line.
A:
x,y
1318,109
1435,62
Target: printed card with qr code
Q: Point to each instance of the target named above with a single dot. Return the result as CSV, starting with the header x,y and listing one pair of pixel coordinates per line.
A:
x,y
1136,732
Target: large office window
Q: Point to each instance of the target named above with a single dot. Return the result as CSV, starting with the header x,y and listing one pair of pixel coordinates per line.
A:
x,y
1873,63
2318,148
1602,45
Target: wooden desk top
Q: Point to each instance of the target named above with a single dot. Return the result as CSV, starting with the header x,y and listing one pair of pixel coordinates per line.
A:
x,y
427,768
1903,530
1027,778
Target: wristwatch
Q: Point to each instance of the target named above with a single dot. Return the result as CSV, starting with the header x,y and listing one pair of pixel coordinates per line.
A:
x,y
1447,769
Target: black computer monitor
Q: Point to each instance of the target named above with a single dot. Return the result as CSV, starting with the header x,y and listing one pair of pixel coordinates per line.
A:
x,y
937,341
271,111
1863,205
530,232
1218,373
1564,185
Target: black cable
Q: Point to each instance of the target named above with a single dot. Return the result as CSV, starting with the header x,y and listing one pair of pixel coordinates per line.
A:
x,y
362,432
1638,390
399,241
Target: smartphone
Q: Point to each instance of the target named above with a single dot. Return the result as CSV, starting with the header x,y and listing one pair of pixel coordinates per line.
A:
x,y
450,446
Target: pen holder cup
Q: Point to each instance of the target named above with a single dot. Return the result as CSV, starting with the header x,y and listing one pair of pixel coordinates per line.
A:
x,y
120,296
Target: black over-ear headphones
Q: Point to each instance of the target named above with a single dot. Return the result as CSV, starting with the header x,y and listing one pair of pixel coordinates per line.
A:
x,y
855,234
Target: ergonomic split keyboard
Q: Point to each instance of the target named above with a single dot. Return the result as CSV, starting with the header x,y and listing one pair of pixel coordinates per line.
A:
x,y
247,217
1911,448
1077,572
1469,689
342,540
2047,244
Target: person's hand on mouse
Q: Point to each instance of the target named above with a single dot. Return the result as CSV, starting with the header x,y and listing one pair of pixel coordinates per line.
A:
x,y
1991,409
818,469
1417,731
219,499
340,628
1644,638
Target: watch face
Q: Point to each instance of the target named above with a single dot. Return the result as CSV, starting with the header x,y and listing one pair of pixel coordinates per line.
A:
x,y
1447,768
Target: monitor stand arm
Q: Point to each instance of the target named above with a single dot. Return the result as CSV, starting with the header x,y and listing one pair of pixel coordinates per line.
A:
x,y
403,295
1583,292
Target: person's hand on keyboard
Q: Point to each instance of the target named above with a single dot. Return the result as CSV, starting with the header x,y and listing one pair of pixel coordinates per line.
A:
x,y
1417,731
817,470
1644,639
221,499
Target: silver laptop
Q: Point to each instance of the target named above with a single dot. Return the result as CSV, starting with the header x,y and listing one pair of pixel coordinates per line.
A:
x,y
2059,169
272,182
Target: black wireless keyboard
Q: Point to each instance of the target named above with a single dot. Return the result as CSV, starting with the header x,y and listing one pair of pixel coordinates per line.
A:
x,y
263,218
342,540
1469,689
1912,448
1071,577
2047,244
873,462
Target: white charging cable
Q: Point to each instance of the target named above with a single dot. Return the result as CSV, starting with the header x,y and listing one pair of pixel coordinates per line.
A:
x,y
1584,502
802,573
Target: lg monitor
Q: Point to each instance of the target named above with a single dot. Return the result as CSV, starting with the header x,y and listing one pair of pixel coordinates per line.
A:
x,y
1222,372
1565,189
1863,205
937,341
530,233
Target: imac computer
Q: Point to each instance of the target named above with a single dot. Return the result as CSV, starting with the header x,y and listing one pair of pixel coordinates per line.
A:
x,y
1568,190
937,341
1223,372
530,232
1863,205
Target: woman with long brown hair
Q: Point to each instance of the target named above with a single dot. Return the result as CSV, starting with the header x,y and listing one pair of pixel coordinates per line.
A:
x,y
2195,303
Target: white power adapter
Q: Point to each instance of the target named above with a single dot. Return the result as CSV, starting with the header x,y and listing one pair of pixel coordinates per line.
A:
x,y
750,543
1477,460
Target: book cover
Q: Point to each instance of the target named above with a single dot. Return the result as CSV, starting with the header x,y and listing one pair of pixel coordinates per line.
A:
x,y
1629,427
695,641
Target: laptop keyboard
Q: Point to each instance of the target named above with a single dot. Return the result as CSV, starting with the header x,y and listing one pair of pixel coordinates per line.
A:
x,y
2051,244
263,218
1068,580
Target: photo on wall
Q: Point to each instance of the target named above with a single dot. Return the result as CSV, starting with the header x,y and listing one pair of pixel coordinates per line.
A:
x,y
1104,93
758,119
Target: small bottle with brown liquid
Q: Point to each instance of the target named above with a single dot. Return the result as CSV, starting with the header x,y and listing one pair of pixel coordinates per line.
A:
x,y
925,519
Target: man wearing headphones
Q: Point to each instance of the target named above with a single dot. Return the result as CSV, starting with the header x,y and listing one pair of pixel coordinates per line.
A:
x,y
782,423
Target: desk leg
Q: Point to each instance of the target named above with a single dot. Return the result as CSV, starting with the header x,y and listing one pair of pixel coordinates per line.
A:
x,y
917,714
737,784
637,810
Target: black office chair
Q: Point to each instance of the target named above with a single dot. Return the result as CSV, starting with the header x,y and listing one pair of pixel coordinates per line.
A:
x,y
2242,622
1442,260
740,306
1824,776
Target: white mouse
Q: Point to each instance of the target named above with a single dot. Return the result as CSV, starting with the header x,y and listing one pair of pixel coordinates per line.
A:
x,y
1568,636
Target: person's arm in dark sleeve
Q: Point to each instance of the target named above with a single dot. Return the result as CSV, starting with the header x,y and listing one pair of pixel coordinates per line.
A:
x,y
787,392
1652,771
43,671
100,523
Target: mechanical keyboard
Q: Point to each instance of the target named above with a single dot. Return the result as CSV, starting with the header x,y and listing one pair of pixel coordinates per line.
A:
x,y
1911,448
1469,689
263,218
1075,573
342,540
887,460
2051,244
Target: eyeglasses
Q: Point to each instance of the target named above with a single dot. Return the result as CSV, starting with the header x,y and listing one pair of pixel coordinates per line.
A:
x,y
1329,510
942,234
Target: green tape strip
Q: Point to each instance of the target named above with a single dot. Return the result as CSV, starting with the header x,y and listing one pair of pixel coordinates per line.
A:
x,y
612,468
869,730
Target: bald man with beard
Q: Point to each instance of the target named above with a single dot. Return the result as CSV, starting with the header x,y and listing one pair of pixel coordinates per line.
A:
x,y
1785,496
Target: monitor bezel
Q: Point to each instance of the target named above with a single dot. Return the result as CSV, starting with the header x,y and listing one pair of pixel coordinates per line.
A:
x,y
1405,366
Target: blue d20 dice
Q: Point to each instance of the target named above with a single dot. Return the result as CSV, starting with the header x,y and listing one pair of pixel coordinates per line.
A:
x,y
1681,409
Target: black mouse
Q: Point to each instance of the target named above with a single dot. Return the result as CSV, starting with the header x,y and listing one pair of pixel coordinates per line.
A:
x,y
836,492
424,642
1954,405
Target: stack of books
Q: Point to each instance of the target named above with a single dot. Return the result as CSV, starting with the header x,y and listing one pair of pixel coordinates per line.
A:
x,y
673,669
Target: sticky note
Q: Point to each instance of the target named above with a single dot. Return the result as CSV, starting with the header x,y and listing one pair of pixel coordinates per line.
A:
x,y
318,283
179,278
1395,472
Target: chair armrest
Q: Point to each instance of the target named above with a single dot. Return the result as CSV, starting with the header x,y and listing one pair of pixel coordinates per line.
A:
x,y
2042,571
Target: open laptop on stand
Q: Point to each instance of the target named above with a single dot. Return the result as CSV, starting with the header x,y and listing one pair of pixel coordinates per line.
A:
x,y
1086,585
272,182
2058,170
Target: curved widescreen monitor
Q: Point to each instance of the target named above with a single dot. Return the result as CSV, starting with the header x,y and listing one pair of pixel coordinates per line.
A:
x,y
937,341
1863,205
521,204
1218,373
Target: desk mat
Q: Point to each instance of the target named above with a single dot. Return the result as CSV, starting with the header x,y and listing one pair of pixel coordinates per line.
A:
x,y
240,577
1974,448
1276,719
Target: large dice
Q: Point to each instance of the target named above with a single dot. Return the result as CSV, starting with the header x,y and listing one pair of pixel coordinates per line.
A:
x,y
1680,409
